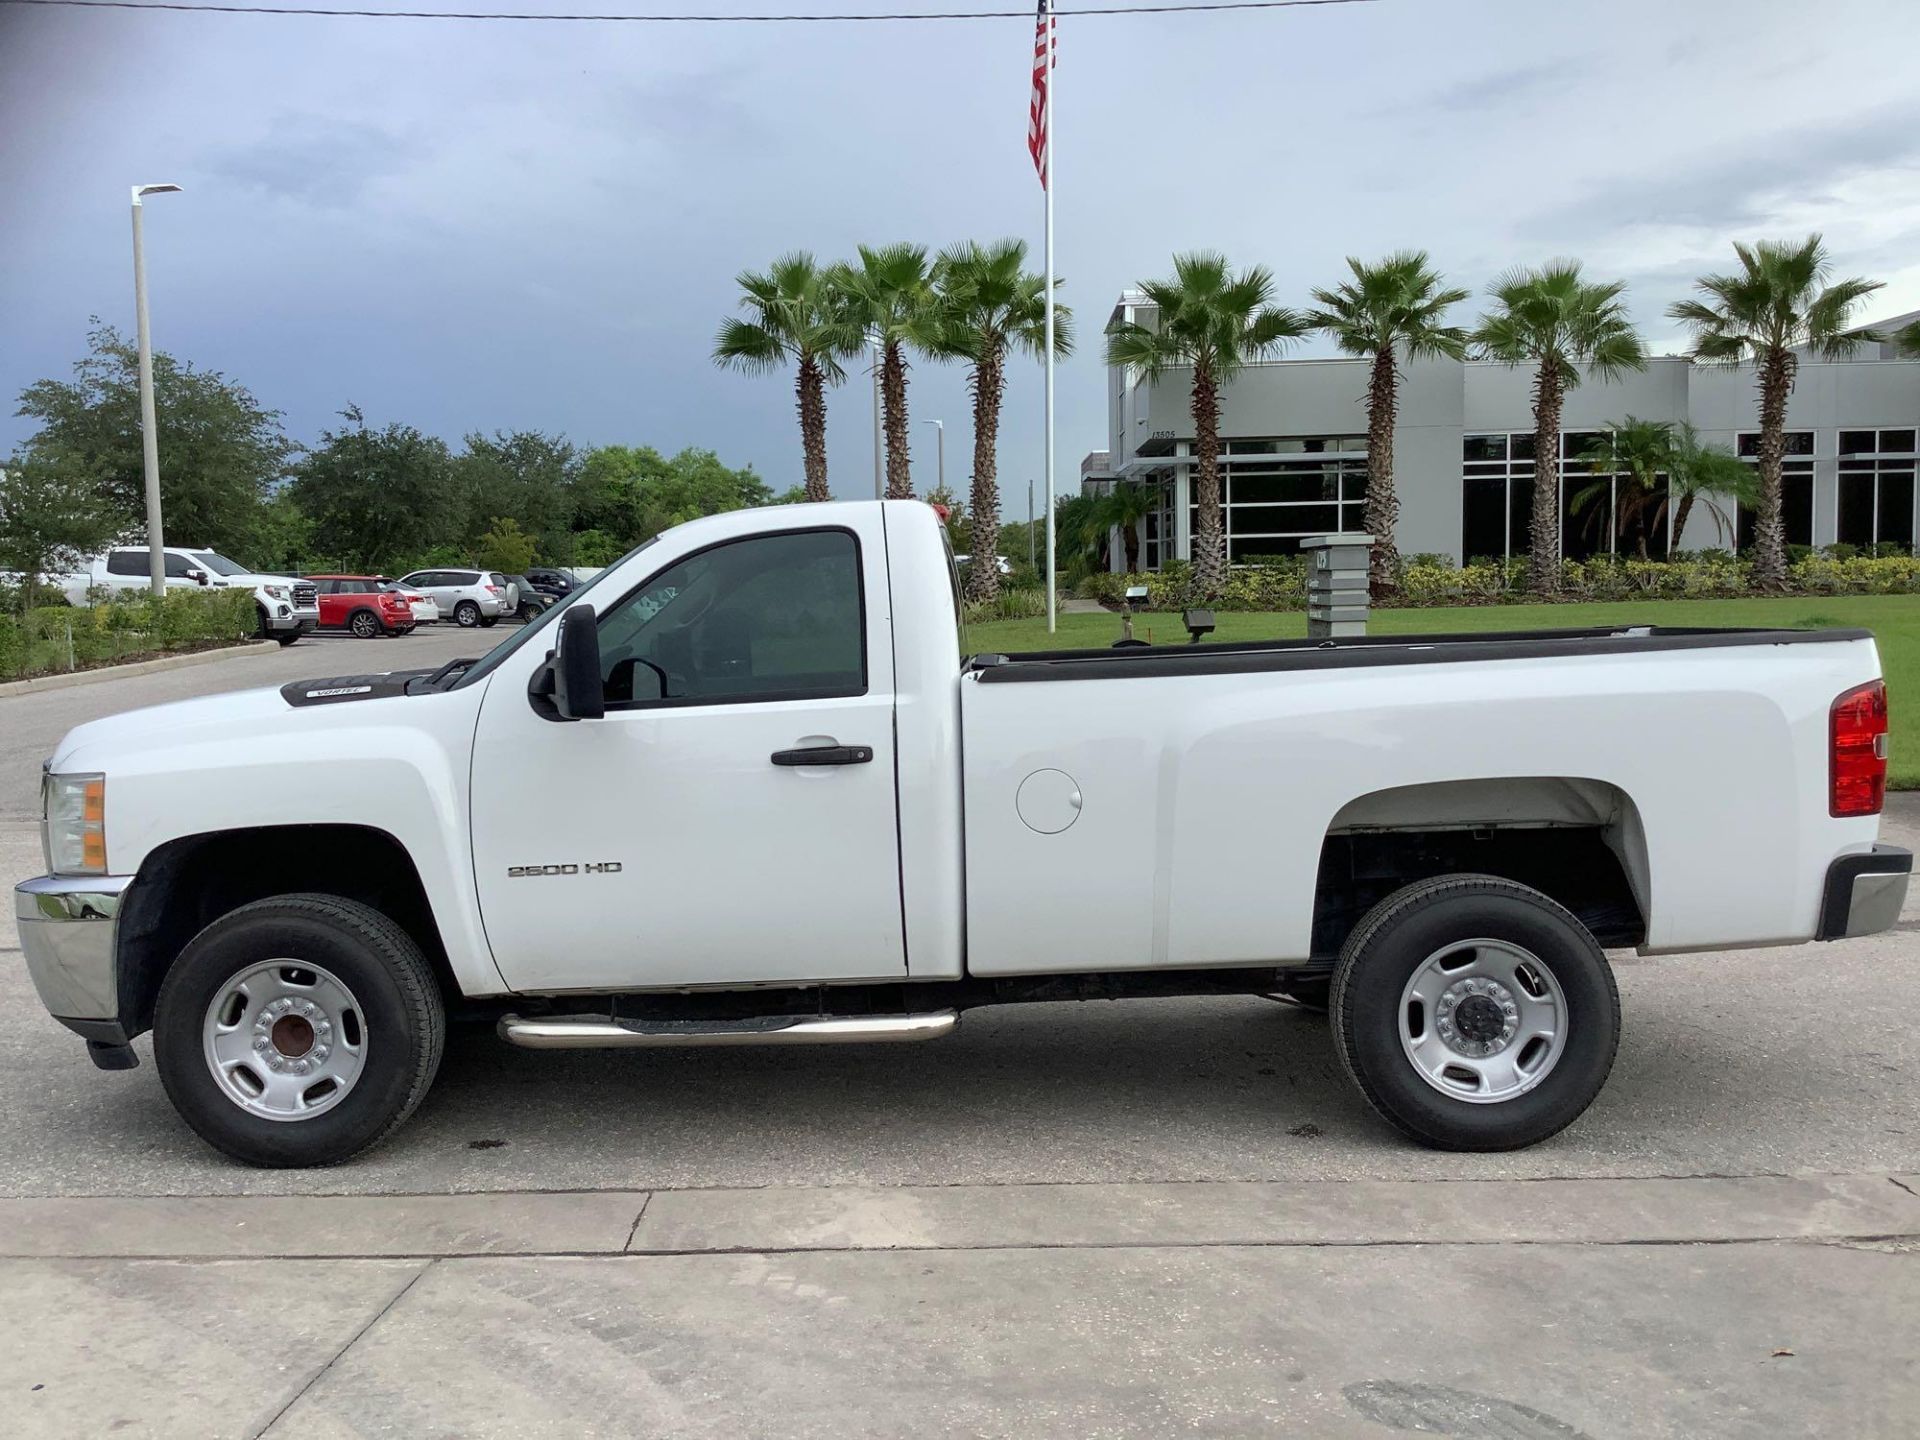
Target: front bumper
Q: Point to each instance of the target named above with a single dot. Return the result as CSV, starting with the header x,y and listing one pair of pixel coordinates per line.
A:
x,y
67,927
283,618
1864,893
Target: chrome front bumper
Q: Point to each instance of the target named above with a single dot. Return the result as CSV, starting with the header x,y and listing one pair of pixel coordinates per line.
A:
x,y
67,929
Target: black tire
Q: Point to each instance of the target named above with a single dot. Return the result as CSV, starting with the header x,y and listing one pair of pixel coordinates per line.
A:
x,y
1396,938
466,614
288,637
364,624
402,1015
530,613
489,622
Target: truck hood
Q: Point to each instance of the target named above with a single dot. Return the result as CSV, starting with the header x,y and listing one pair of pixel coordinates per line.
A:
x,y
92,746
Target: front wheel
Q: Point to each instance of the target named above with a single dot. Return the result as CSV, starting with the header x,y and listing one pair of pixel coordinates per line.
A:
x,y
1475,1013
298,1030
466,614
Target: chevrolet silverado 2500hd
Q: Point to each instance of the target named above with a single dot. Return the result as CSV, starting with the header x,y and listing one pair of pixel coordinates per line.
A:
x,y
800,817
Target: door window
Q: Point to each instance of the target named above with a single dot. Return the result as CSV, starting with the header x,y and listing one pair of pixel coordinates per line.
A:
x,y
773,617
178,565
127,562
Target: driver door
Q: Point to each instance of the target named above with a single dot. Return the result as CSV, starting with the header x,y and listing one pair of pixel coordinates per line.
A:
x,y
698,837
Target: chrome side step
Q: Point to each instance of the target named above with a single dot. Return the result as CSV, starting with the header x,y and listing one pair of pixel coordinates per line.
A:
x,y
587,1032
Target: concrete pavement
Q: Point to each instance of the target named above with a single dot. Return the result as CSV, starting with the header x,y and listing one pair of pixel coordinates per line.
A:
x,y
1121,1219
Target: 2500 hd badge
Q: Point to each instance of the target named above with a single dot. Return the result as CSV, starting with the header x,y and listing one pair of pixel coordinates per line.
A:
x,y
524,872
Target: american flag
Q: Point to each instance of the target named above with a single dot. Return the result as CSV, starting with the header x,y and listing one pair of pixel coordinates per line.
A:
x,y
1037,106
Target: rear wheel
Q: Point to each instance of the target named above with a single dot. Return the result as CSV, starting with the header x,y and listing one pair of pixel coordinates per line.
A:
x,y
288,637
466,614
1475,1013
364,623
489,622
298,1030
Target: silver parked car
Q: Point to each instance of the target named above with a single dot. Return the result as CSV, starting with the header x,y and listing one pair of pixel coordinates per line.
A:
x,y
468,597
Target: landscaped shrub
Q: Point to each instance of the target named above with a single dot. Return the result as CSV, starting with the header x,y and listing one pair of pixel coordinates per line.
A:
x,y
56,638
1013,602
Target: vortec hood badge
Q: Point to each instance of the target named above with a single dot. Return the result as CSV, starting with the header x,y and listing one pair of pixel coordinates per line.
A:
x,y
340,690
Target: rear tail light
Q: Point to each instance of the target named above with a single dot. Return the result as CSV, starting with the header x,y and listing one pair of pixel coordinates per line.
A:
x,y
495,589
1857,751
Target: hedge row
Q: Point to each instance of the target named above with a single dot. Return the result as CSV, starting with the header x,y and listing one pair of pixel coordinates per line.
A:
x,y
57,638
1425,580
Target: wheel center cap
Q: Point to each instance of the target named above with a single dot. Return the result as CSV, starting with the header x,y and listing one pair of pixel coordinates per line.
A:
x,y
1479,1018
292,1036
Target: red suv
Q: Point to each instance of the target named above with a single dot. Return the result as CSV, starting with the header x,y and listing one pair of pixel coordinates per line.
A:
x,y
365,604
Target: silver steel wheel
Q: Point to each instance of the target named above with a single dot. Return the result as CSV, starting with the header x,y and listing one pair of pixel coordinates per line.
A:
x,y
1483,1020
285,1040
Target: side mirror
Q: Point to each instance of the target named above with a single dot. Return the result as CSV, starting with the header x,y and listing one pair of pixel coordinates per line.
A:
x,y
568,686
199,577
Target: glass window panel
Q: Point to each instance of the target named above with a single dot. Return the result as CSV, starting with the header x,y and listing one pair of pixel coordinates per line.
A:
x,y
1291,487
134,562
1483,447
1796,505
1896,509
1523,446
1573,442
1858,442
1282,519
1896,442
1520,514
1799,442
1483,518
1856,510
1241,552
1585,532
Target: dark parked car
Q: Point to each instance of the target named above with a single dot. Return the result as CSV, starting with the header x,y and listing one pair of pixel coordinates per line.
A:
x,y
531,601
554,582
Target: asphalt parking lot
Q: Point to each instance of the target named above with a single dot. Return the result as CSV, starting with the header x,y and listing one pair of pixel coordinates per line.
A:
x,y
816,1172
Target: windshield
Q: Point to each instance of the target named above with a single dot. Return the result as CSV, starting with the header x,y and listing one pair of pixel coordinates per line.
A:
x,y
219,564
550,616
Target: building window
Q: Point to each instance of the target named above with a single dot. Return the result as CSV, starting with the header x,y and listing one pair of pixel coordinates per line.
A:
x,y
1599,512
1277,491
1796,487
1876,488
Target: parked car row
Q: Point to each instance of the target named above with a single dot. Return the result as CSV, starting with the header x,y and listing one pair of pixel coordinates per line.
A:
x,y
367,606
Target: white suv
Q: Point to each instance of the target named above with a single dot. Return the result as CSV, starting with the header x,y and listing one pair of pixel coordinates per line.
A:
x,y
469,596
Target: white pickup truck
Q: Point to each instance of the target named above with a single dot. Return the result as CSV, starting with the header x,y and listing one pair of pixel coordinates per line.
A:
x,y
288,608
798,816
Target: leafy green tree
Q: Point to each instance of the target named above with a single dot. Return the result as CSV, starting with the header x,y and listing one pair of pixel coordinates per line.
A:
x,y
220,449
51,515
1216,323
1778,302
1123,508
283,537
632,492
504,546
988,303
794,313
890,294
523,474
1396,307
377,496
1557,321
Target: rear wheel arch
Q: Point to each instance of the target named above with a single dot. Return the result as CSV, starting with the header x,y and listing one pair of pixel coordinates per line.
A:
x,y
187,884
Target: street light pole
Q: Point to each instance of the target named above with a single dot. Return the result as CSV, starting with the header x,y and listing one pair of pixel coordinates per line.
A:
x,y
1033,560
941,426
149,440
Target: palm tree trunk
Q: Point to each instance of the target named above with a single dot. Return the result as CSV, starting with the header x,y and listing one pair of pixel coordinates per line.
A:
x,y
1130,537
1680,514
1209,545
1382,513
810,388
1543,564
1769,537
893,397
989,384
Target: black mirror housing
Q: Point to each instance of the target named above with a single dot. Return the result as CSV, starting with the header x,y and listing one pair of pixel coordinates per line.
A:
x,y
568,686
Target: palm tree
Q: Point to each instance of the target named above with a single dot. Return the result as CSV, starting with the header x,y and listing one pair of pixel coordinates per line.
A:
x,y
1557,321
1216,322
1397,305
1123,508
794,313
890,294
1777,303
1705,475
1632,455
988,303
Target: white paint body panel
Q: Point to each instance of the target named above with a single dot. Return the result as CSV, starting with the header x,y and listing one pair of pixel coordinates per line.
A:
x,y
1187,830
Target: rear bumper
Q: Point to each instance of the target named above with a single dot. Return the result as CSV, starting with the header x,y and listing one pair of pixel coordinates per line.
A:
x,y
1864,893
67,928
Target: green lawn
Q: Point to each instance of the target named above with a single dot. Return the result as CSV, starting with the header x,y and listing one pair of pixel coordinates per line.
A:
x,y
1894,620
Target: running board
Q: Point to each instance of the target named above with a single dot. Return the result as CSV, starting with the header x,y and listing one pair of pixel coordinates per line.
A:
x,y
589,1032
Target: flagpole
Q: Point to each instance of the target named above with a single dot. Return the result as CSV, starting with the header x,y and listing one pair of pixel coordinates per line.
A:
x,y
1053,113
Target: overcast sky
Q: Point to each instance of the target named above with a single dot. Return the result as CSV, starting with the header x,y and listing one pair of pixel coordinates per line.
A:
x,y
490,225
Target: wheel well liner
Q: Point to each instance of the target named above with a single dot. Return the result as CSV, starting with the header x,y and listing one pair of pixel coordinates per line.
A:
x,y
185,885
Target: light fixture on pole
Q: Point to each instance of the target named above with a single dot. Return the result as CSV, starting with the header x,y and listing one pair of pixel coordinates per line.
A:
x,y
941,426
149,440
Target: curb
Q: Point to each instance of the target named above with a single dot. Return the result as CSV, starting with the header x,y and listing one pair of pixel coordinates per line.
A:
x,y
142,667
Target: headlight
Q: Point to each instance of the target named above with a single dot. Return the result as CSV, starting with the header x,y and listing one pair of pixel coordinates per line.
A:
x,y
74,830
278,592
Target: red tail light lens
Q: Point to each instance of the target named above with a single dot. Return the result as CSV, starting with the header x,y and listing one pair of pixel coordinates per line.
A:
x,y
1857,765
